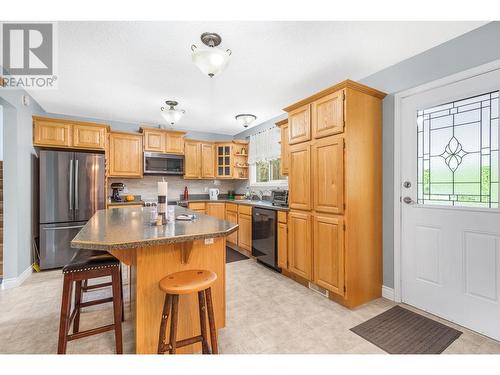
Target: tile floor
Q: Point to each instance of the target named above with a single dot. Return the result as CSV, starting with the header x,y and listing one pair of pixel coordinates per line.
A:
x,y
266,313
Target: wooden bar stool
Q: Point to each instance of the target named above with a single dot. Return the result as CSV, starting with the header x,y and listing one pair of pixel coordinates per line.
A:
x,y
187,282
85,265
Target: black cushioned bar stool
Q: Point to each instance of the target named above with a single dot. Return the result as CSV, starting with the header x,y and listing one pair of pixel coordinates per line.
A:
x,y
85,265
187,282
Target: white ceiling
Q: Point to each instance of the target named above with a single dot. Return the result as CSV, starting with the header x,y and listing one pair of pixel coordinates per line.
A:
x,y
123,71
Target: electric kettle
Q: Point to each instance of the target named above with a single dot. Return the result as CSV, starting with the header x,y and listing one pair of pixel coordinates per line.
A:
x,y
213,194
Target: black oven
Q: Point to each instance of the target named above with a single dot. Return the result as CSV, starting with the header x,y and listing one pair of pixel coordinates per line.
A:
x,y
158,164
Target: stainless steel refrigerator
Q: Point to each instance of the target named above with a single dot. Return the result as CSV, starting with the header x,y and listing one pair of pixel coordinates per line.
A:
x,y
71,191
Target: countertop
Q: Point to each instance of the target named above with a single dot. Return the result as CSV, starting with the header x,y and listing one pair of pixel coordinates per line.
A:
x,y
129,227
260,204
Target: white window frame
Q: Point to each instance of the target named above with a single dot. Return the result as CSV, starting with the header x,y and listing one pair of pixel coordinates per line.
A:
x,y
253,179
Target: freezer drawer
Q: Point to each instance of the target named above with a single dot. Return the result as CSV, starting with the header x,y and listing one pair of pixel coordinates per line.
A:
x,y
55,239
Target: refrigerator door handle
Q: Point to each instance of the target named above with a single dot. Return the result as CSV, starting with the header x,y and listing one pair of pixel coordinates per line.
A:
x,y
71,185
76,185
61,228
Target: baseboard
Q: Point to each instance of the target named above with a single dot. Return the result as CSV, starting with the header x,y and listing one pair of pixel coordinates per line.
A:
x,y
388,293
14,282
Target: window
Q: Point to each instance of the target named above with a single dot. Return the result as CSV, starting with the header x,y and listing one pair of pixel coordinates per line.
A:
x,y
457,161
269,172
264,158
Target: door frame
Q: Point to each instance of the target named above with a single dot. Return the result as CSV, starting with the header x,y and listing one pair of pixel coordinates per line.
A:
x,y
398,99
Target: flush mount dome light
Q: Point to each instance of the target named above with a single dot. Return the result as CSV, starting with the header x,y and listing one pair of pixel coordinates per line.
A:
x,y
171,114
211,60
245,119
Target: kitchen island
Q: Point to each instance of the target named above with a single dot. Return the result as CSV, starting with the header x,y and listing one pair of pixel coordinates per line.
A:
x,y
153,252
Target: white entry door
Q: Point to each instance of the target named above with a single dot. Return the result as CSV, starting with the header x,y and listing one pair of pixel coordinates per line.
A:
x,y
450,238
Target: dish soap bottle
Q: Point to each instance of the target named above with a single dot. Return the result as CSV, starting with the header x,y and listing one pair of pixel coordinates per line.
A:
x,y
186,193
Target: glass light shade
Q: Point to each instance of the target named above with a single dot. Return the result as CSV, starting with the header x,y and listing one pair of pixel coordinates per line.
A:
x,y
245,120
172,115
211,61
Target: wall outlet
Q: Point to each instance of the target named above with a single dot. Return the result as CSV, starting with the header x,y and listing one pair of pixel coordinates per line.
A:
x,y
205,189
209,241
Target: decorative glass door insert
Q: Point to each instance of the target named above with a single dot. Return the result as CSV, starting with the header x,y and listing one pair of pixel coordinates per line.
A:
x,y
457,152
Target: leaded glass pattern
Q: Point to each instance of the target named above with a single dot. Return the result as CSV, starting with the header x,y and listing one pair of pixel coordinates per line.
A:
x,y
457,152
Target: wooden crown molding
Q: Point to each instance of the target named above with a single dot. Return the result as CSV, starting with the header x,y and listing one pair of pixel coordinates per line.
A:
x,y
339,86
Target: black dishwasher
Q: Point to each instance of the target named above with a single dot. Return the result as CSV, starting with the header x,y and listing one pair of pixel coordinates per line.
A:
x,y
264,236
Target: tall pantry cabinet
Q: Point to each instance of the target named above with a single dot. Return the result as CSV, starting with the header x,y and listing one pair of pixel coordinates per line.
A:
x,y
335,192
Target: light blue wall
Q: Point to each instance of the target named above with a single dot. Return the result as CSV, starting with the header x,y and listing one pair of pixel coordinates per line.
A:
x,y
133,127
475,48
19,227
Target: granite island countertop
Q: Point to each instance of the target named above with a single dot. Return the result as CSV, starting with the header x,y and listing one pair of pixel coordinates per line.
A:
x,y
128,228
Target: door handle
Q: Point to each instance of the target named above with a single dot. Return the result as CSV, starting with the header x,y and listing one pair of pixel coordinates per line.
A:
x,y
408,200
76,185
61,228
71,185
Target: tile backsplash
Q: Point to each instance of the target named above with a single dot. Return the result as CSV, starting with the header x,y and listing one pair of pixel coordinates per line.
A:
x,y
147,187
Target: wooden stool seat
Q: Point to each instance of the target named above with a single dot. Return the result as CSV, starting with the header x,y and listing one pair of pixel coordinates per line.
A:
x,y
182,283
187,282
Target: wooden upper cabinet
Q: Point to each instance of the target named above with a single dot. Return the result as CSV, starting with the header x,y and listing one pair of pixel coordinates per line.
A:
x,y
299,125
327,115
329,253
217,210
283,125
207,160
51,133
154,140
125,155
62,133
328,174
192,164
174,143
300,244
89,137
299,180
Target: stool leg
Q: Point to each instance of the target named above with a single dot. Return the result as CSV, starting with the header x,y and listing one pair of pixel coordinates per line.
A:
x,y
117,308
211,321
78,300
173,323
162,347
121,292
65,314
203,323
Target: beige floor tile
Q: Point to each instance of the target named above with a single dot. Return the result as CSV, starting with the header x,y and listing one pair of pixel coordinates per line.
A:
x,y
266,313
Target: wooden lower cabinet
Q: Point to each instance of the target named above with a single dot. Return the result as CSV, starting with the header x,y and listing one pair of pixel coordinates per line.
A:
x,y
217,210
245,231
300,244
125,155
282,246
328,254
197,207
232,217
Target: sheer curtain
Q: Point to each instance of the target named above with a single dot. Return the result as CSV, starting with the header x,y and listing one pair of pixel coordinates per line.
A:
x,y
265,145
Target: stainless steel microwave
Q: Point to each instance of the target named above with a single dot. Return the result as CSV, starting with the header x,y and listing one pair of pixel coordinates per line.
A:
x,y
158,164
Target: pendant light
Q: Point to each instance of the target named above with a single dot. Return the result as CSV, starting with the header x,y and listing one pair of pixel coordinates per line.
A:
x,y
245,119
171,114
211,60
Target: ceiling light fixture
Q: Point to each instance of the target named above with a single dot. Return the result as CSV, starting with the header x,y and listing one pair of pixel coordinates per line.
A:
x,y
211,60
171,114
245,119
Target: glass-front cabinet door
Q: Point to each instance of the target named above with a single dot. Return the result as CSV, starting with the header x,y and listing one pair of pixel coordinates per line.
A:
x,y
224,168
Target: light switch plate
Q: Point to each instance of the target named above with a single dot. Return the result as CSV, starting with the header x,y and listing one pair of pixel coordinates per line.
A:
x,y
209,241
